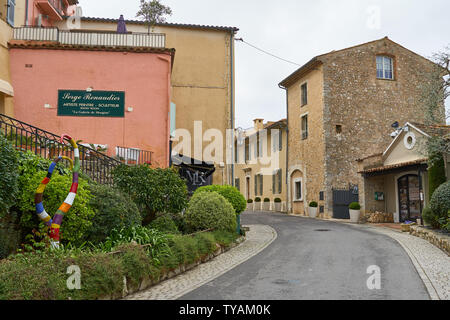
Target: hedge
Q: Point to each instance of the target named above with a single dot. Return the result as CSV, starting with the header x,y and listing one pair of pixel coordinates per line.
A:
x,y
230,193
42,275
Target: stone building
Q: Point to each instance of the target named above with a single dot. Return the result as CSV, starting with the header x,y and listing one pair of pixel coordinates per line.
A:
x,y
261,164
340,107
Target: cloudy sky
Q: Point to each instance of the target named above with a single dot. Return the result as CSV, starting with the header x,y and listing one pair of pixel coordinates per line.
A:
x,y
297,30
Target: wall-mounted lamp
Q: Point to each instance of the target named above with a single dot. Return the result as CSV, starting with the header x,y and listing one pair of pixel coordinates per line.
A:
x,y
89,89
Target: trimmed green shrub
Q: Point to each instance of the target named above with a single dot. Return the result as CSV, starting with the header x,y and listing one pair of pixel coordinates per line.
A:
x,y
153,190
164,224
266,200
76,222
113,210
440,203
314,204
230,193
257,199
430,218
277,200
354,206
210,210
179,221
436,173
9,175
135,262
250,201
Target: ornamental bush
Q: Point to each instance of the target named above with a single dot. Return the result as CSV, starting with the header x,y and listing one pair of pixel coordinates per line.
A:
x,y
277,200
210,210
440,203
250,201
153,190
436,173
354,206
430,218
164,224
113,209
266,200
230,193
257,199
313,204
9,175
76,222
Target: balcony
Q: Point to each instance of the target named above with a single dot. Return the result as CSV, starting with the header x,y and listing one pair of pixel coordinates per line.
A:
x,y
52,8
105,39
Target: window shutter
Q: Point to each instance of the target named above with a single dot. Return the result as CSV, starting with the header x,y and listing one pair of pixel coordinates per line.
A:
x,y
280,184
280,143
10,12
256,185
274,191
261,184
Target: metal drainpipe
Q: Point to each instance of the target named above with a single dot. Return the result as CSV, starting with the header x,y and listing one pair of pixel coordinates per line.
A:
x,y
26,13
232,104
288,191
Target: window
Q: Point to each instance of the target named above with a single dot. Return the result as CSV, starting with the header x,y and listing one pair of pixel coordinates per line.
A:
x,y
298,190
10,12
321,196
258,185
304,127
385,67
277,181
238,184
304,89
338,129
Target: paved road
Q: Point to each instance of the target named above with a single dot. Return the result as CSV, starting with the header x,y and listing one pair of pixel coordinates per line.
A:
x,y
305,263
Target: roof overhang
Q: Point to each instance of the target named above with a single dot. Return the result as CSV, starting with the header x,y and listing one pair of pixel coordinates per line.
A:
x,y
420,164
6,88
309,66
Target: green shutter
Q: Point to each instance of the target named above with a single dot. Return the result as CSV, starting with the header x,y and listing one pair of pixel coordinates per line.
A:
x,y
273,183
280,180
261,177
256,185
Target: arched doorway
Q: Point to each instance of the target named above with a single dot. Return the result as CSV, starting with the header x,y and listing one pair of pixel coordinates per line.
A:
x,y
297,195
409,197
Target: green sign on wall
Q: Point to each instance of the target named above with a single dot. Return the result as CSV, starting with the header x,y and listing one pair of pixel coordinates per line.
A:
x,y
78,103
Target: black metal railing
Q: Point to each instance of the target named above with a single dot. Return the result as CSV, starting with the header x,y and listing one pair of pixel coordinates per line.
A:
x,y
107,39
58,5
26,137
133,156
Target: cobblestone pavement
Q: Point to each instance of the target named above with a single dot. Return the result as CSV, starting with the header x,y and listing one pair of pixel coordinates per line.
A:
x,y
257,239
432,264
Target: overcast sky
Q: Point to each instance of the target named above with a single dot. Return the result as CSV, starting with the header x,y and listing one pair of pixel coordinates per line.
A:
x,y
297,30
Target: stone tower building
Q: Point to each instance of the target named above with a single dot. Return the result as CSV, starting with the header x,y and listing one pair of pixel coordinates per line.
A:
x,y
341,106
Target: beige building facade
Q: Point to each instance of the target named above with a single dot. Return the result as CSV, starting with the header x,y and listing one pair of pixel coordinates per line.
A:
x,y
341,106
261,165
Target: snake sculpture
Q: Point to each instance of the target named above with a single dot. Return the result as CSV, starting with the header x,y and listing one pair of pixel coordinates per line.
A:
x,y
55,223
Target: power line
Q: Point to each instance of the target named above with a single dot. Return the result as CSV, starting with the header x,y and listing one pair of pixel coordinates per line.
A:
x,y
268,53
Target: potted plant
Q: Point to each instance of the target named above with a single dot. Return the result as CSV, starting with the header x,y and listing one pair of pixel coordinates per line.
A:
x,y
257,205
313,209
355,212
250,205
277,204
266,205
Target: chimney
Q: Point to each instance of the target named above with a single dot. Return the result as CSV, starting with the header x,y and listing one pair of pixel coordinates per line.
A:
x,y
258,124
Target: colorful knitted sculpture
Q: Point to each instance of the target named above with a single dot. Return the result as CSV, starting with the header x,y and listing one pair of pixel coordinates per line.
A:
x,y
55,223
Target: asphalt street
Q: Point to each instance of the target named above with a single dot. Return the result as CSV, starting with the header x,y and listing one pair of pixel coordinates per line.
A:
x,y
317,260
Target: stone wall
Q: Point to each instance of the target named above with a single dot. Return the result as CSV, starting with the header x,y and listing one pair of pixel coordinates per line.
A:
x,y
440,240
307,155
365,107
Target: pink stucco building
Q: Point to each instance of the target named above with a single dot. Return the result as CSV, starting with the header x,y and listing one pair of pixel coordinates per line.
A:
x,y
142,75
47,12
